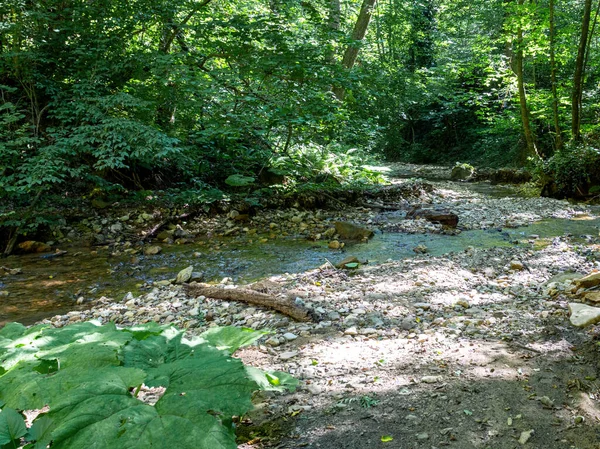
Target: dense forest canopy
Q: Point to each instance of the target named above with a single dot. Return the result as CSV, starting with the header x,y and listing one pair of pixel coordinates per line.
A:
x,y
144,93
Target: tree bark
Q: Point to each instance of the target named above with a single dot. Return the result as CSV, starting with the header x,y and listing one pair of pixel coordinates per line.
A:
x,y
557,131
529,137
579,72
335,15
358,34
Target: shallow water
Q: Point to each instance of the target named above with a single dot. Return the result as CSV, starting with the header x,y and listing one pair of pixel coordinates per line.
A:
x,y
49,287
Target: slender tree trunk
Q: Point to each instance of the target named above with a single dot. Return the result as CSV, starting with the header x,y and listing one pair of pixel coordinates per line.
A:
x,y
557,131
529,138
335,14
579,71
358,34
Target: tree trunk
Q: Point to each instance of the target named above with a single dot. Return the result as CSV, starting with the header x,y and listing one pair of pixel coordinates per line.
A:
x,y
358,34
579,71
529,138
557,131
335,14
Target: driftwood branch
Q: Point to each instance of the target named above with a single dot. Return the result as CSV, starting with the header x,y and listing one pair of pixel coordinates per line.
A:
x,y
151,233
283,305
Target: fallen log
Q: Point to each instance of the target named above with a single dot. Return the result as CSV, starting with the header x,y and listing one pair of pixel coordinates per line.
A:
x,y
284,305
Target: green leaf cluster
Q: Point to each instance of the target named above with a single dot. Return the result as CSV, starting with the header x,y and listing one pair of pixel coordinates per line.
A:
x,y
89,376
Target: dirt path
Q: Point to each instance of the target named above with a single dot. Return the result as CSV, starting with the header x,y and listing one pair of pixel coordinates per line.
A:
x,y
468,350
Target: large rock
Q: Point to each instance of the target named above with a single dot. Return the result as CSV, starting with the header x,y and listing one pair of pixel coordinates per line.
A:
x,y
592,297
462,172
184,275
31,246
591,280
564,277
347,260
582,315
152,250
442,216
350,231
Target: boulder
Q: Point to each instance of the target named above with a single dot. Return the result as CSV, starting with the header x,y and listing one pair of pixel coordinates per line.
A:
x,y
347,260
592,297
582,315
164,235
591,280
564,277
441,216
184,275
152,250
462,172
334,244
350,231
31,246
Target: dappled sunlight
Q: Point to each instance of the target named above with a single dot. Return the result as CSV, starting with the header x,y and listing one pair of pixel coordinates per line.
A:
x,y
378,168
391,383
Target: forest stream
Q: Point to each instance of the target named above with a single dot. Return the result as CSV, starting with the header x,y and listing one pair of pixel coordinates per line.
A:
x,y
438,339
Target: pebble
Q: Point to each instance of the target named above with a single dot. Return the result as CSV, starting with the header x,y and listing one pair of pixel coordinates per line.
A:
x,y
408,324
273,341
314,389
288,355
422,305
431,379
351,331
289,336
152,250
525,436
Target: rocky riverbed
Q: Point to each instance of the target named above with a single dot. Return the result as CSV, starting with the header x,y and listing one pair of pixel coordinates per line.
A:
x,y
469,349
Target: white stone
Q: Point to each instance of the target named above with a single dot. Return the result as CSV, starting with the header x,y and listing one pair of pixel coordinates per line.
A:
x,y
582,315
289,336
288,355
431,379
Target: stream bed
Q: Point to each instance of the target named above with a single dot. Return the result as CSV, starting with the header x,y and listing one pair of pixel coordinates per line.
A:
x,y
51,286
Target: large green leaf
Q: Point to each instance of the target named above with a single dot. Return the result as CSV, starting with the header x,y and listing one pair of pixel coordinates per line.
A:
x,y
231,338
40,432
272,380
12,426
87,374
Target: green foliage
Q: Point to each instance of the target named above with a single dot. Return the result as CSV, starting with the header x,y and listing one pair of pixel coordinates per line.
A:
x,y
573,171
155,94
90,375
239,180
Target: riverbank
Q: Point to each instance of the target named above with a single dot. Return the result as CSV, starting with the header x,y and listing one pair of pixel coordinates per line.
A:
x,y
470,348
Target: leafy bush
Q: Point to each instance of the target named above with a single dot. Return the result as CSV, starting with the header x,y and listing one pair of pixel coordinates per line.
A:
x,y
570,172
89,376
